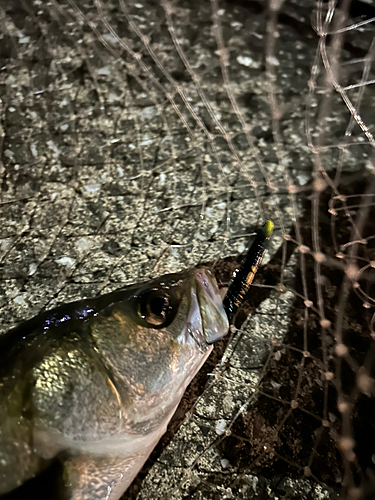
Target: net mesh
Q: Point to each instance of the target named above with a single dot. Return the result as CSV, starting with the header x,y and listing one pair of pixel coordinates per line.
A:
x,y
140,138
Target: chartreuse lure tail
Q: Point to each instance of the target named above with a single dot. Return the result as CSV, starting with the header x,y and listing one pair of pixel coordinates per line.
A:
x,y
243,277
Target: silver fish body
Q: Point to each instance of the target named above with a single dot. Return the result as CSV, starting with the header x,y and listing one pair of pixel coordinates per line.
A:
x,y
95,383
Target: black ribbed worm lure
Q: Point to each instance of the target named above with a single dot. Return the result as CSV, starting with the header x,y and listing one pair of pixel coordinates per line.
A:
x,y
244,275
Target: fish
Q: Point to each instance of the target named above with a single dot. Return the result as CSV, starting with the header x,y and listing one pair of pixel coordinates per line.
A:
x,y
94,383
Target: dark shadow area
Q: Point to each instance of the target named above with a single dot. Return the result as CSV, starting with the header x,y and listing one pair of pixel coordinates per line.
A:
x,y
45,486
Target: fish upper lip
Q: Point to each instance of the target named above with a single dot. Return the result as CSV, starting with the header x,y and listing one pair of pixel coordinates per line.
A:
x,y
204,281
208,296
207,320
194,327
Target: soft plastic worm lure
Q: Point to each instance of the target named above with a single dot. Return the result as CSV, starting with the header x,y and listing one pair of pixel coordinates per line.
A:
x,y
244,275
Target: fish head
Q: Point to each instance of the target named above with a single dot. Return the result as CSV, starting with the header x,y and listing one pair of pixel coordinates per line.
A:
x,y
156,339
103,376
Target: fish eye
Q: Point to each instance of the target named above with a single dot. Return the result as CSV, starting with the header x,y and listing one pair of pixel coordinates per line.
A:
x,y
155,308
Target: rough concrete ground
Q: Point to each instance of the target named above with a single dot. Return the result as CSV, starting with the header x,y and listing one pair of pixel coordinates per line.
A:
x,y
126,157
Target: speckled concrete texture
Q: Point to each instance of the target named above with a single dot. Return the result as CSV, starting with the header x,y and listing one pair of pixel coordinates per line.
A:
x,y
140,138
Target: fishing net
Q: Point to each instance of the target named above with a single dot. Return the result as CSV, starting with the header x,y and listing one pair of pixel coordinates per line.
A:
x,y
140,138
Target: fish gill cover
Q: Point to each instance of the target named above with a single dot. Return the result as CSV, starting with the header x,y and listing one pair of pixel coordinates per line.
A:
x,y
144,137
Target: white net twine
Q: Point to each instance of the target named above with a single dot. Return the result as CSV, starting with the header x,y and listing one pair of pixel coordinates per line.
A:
x,y
144,137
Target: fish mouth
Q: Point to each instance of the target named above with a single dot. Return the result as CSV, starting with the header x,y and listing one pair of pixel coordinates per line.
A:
x,y
208,320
